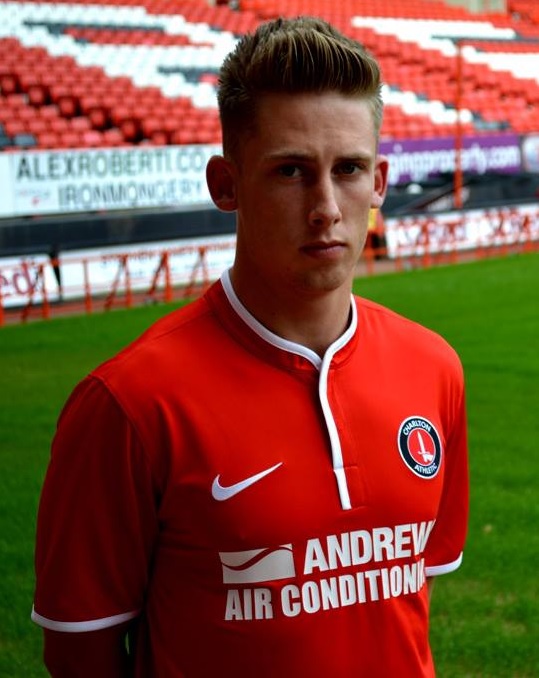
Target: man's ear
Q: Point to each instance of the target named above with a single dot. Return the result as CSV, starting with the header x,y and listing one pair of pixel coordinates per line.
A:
x,y
381,175
221,183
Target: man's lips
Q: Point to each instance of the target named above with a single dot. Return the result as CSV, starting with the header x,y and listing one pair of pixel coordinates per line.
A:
x,y
323,249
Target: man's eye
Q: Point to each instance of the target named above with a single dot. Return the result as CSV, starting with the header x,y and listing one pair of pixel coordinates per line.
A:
x,y
289,170
348,168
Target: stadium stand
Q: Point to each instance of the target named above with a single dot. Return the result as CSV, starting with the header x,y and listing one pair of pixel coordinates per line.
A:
x,y
125,72
118,80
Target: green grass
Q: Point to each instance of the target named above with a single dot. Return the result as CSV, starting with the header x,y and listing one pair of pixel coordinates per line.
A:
x,y
485,617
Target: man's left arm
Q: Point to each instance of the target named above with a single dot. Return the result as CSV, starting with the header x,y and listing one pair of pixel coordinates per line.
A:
x,y
430,586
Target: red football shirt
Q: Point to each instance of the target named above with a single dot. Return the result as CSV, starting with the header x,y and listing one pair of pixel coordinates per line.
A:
x,y
261,510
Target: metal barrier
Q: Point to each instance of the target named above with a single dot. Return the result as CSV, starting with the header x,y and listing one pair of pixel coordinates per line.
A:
x,y
40,288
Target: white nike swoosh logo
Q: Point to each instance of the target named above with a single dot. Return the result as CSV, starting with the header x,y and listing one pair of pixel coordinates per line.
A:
x,y
222,493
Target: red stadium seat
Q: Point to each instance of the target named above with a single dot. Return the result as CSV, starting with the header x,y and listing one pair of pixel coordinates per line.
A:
x,y
70,139
9,84
159,138
13,127
98,118
38,95
130,129
113,137
151,125
80,123
48,140
15,101
38,125
91,138
59,124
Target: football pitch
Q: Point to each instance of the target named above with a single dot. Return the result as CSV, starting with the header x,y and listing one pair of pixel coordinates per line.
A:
x,y
485,617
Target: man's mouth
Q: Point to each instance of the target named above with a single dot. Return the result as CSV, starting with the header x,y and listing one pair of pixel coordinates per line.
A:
x,y
324,250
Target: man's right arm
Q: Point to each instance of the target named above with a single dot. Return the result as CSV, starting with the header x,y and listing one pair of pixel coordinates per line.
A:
x,y
89,654
96,530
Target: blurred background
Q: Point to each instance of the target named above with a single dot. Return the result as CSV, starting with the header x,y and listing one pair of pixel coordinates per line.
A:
x,y
108,115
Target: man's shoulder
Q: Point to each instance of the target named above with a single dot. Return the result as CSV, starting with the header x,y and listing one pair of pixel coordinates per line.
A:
x,y
170,345
176,324
373,312
401,333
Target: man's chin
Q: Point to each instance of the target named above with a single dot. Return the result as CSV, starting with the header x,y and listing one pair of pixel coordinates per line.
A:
x,y
326,281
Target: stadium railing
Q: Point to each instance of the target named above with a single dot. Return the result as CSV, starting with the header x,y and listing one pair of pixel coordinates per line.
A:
x,y
33,288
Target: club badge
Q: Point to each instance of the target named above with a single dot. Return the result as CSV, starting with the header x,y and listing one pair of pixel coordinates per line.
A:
x,y
420,446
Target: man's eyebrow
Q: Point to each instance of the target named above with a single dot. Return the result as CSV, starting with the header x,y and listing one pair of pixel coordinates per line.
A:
x,y
294,155
359,157
288,155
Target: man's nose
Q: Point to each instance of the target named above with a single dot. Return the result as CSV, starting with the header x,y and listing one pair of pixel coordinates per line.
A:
x,y
324,206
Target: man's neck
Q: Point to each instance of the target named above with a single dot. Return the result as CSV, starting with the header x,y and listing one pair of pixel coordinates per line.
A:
x,y
311,320
316,331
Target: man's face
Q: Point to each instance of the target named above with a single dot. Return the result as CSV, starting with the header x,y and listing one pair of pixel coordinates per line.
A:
x,y
303,184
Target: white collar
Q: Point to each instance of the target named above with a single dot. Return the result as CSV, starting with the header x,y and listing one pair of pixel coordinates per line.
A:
x,y
285,344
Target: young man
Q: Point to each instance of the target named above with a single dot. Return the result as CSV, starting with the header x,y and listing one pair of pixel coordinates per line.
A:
x,y
263,482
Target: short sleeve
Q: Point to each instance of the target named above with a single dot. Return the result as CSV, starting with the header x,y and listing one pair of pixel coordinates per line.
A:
x,y
97,519
446,543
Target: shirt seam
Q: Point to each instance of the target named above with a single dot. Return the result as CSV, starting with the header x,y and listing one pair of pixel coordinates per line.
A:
x,y
83,626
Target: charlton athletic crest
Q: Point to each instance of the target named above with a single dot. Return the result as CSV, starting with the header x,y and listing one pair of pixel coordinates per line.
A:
x,y
420,446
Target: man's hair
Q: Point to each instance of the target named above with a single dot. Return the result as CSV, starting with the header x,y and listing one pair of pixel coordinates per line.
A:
x,y
294,56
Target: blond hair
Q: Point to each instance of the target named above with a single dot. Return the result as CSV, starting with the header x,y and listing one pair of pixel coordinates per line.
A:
x,y
303,55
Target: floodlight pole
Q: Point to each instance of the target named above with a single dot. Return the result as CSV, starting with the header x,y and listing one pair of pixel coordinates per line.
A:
x,y
457,187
